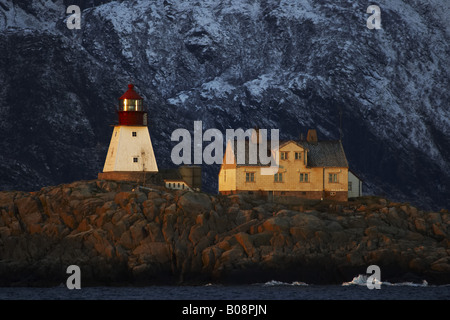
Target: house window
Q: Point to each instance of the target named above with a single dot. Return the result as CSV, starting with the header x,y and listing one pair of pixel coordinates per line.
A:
x,y
182,186
283,155
178,185
298,156
278,177
134,134
249,177
304,177
350,186
332,178
135,159
225,176
169,184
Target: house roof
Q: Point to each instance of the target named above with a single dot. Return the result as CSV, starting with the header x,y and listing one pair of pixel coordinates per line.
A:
x,y
320,154
357,176
285,142
325,154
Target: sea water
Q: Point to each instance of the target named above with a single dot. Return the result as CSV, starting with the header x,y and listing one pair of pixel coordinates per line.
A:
x,y
272,290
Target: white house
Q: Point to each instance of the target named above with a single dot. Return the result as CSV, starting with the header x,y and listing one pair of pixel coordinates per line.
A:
x,y
177,185
354,185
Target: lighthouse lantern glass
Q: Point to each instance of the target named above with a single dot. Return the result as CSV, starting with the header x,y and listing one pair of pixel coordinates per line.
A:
x,y
130,105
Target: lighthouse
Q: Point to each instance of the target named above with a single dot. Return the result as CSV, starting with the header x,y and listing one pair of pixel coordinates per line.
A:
x,y
130,153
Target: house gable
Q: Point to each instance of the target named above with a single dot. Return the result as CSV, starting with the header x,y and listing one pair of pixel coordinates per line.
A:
x,y
292,151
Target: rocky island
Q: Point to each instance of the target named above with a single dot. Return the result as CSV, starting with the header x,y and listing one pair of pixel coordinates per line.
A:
x,y
121,234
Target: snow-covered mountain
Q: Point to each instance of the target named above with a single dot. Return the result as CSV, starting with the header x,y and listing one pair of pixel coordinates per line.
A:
x,y
289,64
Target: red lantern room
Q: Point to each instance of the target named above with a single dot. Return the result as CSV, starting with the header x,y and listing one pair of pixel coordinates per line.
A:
x,y
130,109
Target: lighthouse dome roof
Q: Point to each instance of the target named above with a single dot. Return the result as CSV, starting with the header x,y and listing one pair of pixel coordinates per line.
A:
x,y
130,94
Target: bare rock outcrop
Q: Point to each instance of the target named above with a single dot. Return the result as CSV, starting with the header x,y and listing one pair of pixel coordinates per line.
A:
x,y
120,233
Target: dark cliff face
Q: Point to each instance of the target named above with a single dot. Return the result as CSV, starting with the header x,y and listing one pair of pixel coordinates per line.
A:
x,y
290,65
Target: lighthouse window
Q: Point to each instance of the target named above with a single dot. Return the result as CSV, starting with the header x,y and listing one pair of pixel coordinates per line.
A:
x,y
134,133
138,105
135,159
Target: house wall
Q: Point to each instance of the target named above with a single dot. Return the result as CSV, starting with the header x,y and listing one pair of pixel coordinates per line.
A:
x,y
177,185
227,173
227,179
356,186
288,196
192,175
342,184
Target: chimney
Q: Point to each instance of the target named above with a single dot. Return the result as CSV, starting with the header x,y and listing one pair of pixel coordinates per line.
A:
x,y
302,138
312,136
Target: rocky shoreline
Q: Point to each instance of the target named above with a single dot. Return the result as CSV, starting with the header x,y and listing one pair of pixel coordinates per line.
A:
x,y
121,234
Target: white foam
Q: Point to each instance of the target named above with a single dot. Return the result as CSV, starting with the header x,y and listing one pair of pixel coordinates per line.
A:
x,y
410,284
272,283
361,280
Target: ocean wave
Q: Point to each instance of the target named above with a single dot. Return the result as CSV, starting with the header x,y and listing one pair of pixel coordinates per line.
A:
x,y
272,283
408,283
361,280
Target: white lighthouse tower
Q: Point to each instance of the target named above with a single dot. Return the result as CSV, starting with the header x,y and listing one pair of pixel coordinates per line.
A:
x,y
130,154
